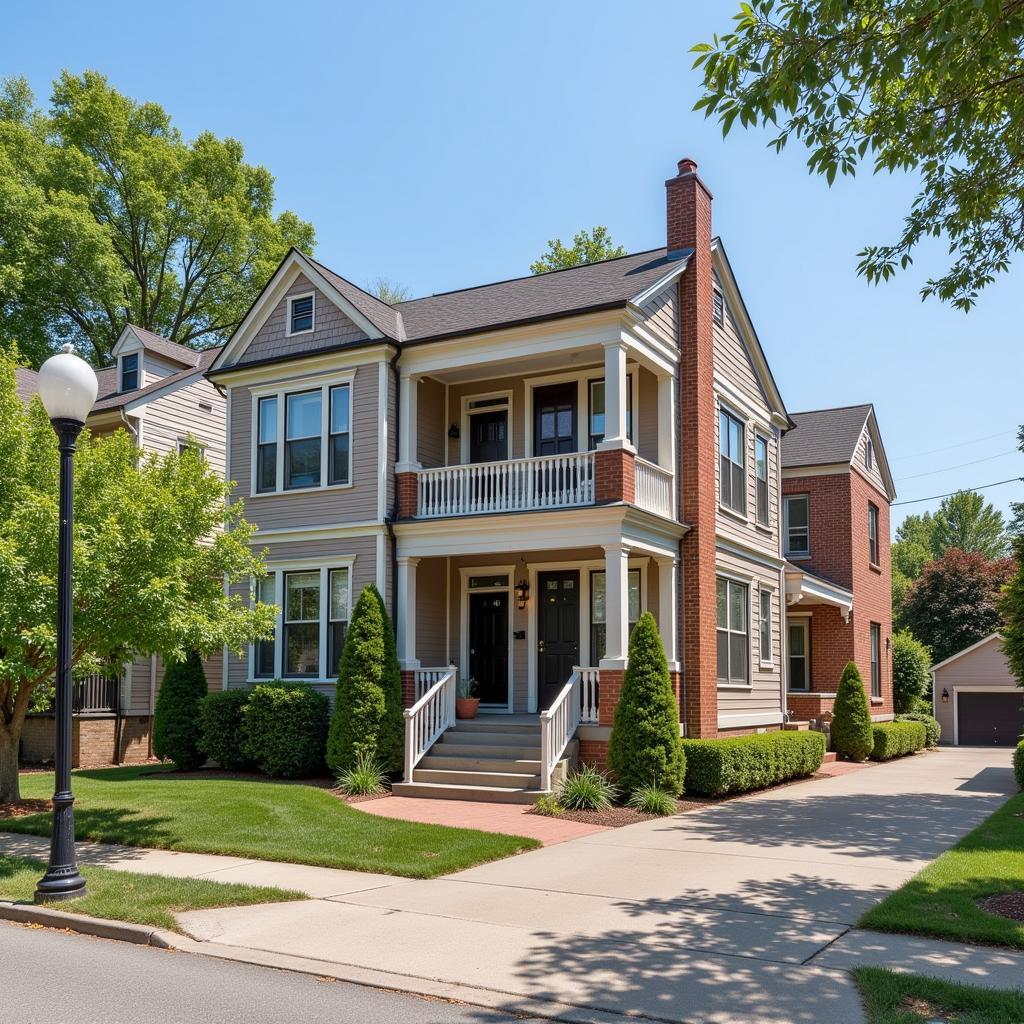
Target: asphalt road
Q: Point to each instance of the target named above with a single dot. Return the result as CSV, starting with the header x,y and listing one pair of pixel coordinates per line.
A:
x,y
49,977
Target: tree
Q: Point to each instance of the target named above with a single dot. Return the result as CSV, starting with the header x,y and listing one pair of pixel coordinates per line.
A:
x,y
150,560
965,521
389,291
587,247
644,749
851,719
367,721
1012,607
930,87
1015,528
177,730
107,215
909,557
911,679
956,601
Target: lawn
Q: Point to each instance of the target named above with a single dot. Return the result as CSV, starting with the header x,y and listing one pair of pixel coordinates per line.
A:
x,y
142,899
943,899
891,998
149,806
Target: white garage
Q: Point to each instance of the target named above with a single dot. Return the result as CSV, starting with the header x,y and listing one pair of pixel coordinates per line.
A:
x,y
977,700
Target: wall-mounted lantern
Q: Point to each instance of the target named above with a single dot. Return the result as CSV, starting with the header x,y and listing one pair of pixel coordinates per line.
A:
x,y
945,696
453,431
522,594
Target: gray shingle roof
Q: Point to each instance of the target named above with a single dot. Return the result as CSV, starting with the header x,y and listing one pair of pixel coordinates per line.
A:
x,y
25,383
380,314
181,354
110,398
824,436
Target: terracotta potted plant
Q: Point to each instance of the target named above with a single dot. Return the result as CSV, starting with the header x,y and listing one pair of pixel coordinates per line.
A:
x,y
467,703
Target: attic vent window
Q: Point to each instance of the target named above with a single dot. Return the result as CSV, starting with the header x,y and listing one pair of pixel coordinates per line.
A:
x,y
718,307
869,455
300,314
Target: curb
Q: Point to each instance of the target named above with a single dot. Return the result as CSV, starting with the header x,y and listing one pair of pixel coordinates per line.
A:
x,y
26,913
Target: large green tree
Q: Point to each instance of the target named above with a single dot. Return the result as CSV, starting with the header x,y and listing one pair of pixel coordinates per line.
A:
x,y
150,560
587,247
927,87
966,521
108,215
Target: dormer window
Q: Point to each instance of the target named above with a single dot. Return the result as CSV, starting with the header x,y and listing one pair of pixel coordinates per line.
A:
x,y
130,372
300,314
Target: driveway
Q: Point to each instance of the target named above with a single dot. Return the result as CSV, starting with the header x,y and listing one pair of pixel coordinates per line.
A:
x,y
716,915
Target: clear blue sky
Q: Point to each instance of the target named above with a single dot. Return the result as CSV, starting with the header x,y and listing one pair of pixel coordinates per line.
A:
x,y
442,144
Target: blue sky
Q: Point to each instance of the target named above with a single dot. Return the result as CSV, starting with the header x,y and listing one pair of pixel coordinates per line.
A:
x,y
442,144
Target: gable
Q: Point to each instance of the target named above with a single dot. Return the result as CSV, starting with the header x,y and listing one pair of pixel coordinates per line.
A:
x,y
732,360
661,314
982,662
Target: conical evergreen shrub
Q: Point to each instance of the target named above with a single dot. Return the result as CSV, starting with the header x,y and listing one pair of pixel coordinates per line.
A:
x,y
645,748
851,719
177,729
367,722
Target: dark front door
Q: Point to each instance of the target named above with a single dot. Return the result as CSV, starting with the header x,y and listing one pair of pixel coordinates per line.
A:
x,y
488,436
558,632
554,419
488,646
989,719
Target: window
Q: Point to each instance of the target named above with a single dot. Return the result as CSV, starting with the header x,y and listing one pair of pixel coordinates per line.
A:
x,y
596,430
718,307
266,445
869,455
764,634
340,451
873,533
264,667
130,372
302,440
796,511
337,617
732,476
302,623
799,655
599,610
876,660
300,314
733,637
487,582
761,475
190,444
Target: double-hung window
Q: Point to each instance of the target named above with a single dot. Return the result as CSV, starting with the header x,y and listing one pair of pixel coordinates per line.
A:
x,y
796,512
263,668
339,449
733,632
761,476
266,445
799,654
764,636
300,314
302,623
732,462
876,660
302,439
130,371
599,610
337,616
596,430
873,533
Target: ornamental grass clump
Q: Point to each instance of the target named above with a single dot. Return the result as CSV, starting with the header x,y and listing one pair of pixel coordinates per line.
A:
x,y
587,789
177,734
653,799
851,721
364,778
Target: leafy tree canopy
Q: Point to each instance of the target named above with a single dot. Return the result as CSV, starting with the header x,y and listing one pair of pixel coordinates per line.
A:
x,y
911,679
391,292
587,247
966,521
107,215
1015,528
930,87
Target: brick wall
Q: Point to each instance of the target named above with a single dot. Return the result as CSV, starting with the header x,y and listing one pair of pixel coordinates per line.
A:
x,y
610,683
406,484
831,647
93,740
830,526
594,752
614,476
408,688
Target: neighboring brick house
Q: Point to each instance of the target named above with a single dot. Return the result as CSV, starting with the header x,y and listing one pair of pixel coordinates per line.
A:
x,y
837,490
156,390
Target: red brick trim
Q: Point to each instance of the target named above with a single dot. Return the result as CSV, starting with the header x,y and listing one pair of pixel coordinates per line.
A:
x,y
615,476
408,688
610,683
406,484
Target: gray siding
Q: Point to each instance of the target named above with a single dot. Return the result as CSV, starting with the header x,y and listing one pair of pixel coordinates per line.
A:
x,y
662,317
860,460
178,415
431,429
647,416
984,668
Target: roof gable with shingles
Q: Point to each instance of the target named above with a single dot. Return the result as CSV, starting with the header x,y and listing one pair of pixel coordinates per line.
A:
x,y
183,355
824,436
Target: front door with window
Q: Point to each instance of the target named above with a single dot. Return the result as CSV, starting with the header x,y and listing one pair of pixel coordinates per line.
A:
x,y
488,436
488,646
558,632
554,419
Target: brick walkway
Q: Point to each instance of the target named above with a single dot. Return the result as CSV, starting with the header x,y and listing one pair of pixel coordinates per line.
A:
x,y
512,819
841,767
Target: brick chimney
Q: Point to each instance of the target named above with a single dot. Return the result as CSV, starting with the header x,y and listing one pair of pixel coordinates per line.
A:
x,y
688,223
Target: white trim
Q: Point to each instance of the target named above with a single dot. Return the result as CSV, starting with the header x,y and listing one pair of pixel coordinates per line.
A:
x,y
967,650
822,469
786,499
380,566
648,293
329,531
487,570
467,413
803,620
956,690
292,299
751,719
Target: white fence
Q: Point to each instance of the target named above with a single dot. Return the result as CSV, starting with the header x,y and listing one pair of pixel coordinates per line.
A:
x,y
558,725
428,718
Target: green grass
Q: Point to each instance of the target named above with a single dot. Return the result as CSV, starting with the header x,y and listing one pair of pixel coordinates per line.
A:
x,y
942,899
149,806
891,998
141,899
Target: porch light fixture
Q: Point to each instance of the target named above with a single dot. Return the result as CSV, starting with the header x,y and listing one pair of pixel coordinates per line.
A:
x,y
453,431
945,696
522,594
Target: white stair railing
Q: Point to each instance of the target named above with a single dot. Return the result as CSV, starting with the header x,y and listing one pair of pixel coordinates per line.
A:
x,y
558,725
653,488
428,718
589,678
425,679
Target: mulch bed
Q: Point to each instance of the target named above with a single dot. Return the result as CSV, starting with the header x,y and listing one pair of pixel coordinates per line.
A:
x,y
365,799
23,807
617,817
1006,904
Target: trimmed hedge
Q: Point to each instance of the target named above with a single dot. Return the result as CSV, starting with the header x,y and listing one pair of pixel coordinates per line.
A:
x,y
176,733
896,739
717,767
932,729
221,719
1018,764
286,729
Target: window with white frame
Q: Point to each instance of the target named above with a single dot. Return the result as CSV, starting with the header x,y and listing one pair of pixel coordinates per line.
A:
x,y
599,610
302,440
761,477
873,533
799,654
765,626
732,462
596,419
302,624
266,444
339,449
300,314
796,510
876,660
337,616
130,371
733,632
263,653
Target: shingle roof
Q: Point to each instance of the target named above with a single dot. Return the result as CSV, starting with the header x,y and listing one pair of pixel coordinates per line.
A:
x,y
824,436
171,350
384,317
110,398
25,383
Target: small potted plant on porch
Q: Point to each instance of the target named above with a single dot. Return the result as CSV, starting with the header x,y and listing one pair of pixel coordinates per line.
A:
x,y
467,703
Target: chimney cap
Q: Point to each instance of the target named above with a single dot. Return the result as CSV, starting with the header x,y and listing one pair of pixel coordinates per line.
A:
x,y
687,165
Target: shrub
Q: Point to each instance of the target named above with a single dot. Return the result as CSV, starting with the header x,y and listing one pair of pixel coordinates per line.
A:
x,y
220,723
911,678
286,729
364,778
932,729
896,739
367,719
644,747
1018,764
851,721
653,800
717,767
176,729
586,789
549,806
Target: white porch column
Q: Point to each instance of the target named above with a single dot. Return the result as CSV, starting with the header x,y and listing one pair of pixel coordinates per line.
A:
x,y
614,397
668,608
408,387
405,627
616,568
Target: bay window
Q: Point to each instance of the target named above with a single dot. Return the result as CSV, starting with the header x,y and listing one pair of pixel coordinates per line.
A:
x,y
733,632
302,442
339,448
266,445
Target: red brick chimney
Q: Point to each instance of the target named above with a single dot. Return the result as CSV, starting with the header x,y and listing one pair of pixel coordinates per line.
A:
x,y
689,227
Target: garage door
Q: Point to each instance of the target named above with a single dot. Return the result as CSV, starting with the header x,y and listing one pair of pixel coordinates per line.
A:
x,y
995,719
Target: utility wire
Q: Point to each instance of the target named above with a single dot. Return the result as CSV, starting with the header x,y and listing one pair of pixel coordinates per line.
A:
x,y
948,447
983,487
973,462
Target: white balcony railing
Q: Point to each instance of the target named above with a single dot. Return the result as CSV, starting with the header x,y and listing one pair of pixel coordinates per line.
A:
x,y
515,485
588,695
426,677
653,488
558,725
428,718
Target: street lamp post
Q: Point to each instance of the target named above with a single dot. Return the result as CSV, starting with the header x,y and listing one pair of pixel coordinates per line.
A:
x,y
67,386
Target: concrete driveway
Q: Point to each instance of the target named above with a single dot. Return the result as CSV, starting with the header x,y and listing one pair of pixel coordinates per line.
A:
x,y
717,915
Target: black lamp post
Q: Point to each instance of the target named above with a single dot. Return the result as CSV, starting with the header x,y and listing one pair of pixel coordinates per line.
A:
x,y
67,386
